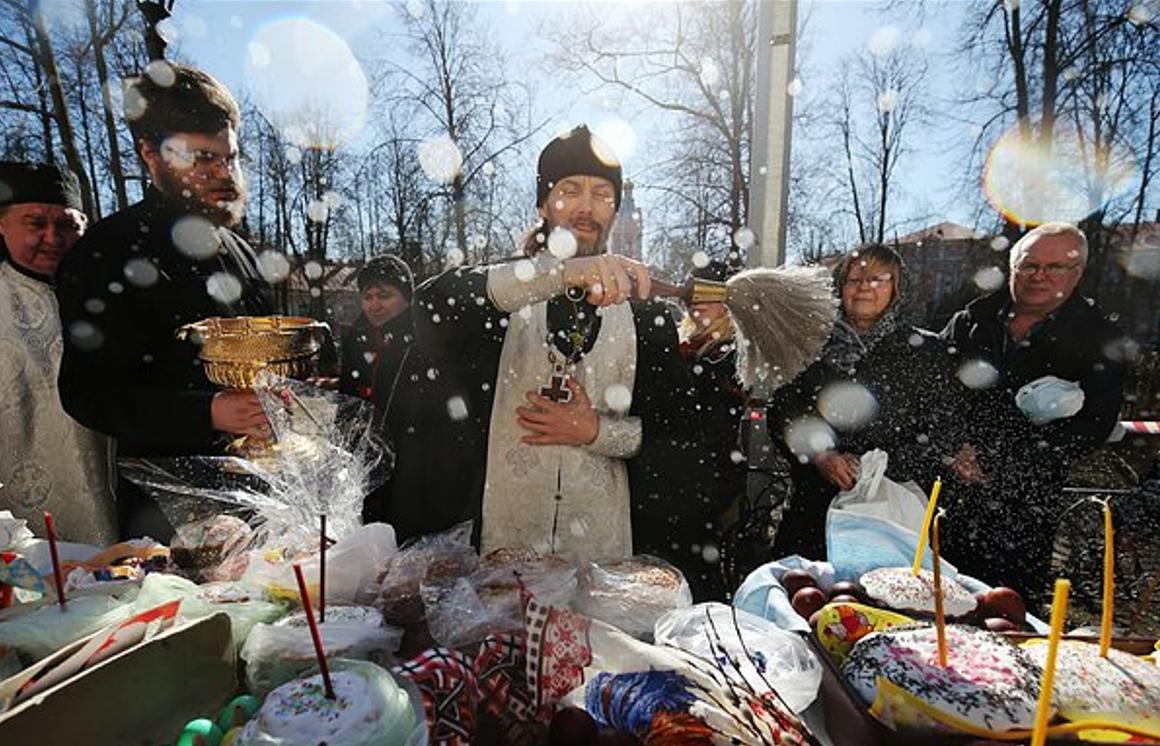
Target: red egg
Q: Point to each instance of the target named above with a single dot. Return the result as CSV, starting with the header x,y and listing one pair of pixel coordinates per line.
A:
x,y
846,588
794,580
999,624
571,726
813,621
807,601
844,598
1006,603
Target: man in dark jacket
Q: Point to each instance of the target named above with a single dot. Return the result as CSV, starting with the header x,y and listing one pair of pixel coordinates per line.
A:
x,y
1049,371
141,273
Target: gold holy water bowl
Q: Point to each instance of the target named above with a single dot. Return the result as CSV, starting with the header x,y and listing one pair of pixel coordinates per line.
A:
x,y
234,350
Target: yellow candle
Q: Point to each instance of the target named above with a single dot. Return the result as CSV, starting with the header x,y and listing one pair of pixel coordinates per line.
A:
x,y
1058,614
926,521
940,619
1109,584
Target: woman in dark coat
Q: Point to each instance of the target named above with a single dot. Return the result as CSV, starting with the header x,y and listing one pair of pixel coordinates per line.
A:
x,y
880,383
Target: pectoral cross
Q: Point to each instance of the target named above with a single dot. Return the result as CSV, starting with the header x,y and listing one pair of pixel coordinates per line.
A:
x,y
556,390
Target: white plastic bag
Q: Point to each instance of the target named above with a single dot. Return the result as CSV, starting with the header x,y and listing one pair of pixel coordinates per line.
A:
x,y
1049,398
202,600
351,565
765,656
876,523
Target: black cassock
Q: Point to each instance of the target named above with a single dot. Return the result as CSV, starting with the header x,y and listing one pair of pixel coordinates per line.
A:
x,y
672,516
123,290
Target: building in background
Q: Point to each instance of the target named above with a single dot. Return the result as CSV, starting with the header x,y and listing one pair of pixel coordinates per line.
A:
x,y
628,228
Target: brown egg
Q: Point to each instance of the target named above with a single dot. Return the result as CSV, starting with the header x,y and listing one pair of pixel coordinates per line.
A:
x,y
807,601
846,588
1006,603
844,598
814,619
794,580
571,726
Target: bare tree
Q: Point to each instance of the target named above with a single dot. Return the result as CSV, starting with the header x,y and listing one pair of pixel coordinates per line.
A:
x,y
877,102
694,61
461,83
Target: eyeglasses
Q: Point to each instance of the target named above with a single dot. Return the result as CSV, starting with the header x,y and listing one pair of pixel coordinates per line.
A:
x,y
873,280
202,160
1029,269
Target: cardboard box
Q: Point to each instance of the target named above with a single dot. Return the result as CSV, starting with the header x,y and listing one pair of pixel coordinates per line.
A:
x,y
141,696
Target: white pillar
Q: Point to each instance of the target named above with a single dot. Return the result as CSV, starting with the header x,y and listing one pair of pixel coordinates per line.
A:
x,y
772,131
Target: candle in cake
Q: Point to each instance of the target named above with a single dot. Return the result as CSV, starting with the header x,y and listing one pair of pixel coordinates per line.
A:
x,y
1058,615
940,617
57,576
314,634
1109,584
322,569
926,521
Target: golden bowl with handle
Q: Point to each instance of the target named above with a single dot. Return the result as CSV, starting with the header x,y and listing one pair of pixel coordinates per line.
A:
x,y
234,350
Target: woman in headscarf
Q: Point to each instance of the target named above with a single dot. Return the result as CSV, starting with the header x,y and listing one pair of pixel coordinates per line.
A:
x,y
879,383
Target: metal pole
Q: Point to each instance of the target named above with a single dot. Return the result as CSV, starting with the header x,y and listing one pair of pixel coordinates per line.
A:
x,y
772,131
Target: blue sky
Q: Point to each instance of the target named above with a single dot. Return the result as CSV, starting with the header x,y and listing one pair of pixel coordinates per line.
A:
x,y
219,34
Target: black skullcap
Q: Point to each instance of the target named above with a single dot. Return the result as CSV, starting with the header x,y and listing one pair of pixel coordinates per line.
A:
x,y
577,153
22,183
387,270
715,270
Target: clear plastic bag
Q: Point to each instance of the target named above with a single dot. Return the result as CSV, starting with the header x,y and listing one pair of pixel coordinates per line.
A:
x,y
766,657
466,610
434,559
42,630
327,455
277,653
632,594
372,709
202,600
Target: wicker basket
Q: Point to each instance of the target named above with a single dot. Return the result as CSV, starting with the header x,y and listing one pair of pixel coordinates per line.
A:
x,y
235,350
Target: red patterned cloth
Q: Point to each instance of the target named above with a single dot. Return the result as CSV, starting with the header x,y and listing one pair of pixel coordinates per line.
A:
x,y
558,650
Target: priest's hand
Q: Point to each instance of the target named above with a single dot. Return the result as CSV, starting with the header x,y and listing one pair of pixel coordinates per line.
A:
x,y
572,423
607,278
239,412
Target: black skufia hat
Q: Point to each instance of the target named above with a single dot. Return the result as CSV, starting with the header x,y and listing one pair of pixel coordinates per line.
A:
x,y
22,183
574,153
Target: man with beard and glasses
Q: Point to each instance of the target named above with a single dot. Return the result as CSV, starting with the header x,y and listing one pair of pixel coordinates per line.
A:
x,y
572,380
140,273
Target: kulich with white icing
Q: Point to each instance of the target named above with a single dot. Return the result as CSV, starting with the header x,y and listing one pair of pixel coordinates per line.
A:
x,y
369,708
1121,687
898,588
988,681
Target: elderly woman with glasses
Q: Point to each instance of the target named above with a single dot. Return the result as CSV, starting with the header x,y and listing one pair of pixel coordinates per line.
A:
x,y
880,383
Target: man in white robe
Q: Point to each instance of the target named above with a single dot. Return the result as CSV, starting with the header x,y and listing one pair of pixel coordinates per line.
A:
x,y
573,378
48,461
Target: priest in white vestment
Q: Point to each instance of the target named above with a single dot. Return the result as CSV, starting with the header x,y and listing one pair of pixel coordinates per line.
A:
x,y
48,461
574,379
